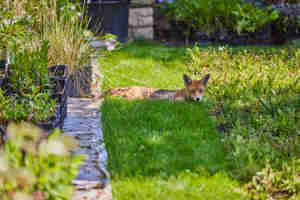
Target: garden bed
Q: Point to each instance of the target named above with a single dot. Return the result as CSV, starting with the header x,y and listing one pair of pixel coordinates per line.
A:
x,y
56,88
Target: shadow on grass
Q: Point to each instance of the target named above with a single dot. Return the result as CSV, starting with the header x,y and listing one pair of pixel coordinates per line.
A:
x,y
150,138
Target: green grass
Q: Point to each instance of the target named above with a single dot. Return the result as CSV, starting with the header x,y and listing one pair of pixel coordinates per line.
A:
x,y
163,150
144,64
158,149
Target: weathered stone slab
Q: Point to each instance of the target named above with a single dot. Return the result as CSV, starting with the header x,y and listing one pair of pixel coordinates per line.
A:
x,y
141,22
141,33
143,2
84,124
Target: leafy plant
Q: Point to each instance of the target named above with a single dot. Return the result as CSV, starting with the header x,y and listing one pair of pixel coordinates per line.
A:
x,y
36,108
27,95
207,15
31,166
275,184
29,68
249,18
214,15
14,28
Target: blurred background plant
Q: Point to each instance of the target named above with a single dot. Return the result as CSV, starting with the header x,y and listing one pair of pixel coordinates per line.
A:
x,y
218,16
61,22
32,166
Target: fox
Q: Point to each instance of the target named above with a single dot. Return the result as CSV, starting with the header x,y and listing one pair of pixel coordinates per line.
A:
x,y
193,91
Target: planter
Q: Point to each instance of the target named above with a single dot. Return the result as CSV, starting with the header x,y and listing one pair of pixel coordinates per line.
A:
x,y
58,86
60,82
3,72
80,82
2,136
59,78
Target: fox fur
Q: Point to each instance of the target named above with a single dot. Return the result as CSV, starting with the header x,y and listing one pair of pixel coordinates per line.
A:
x,y
193,91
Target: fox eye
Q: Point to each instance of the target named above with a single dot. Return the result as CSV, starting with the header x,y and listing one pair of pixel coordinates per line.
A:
x,y
200,90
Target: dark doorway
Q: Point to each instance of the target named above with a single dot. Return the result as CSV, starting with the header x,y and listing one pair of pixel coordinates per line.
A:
x,y
109,16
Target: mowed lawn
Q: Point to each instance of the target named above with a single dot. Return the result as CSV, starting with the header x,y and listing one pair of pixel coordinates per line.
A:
x,y
159,149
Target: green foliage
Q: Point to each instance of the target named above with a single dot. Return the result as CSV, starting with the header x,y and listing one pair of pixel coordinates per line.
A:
x,y
214,15
28,92
38,107
275,184
30,164
29,68
250,18
13,30
60,22
207,15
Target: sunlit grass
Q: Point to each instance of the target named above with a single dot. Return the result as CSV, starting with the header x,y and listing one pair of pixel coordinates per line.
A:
x,y
158,149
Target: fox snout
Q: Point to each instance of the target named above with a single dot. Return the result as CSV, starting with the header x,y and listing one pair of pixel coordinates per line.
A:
x,y
195,88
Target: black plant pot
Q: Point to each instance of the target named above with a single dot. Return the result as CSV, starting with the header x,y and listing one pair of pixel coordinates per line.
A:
x,y
60,79
2,136
3,72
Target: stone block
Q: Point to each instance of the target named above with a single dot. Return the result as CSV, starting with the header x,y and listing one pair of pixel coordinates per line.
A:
x,y
141,17
142,2
141,33
141,21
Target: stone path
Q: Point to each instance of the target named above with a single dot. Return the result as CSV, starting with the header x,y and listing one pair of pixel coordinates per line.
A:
x,y
83,123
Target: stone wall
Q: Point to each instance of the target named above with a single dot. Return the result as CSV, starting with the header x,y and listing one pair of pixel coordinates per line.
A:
x,y
141,19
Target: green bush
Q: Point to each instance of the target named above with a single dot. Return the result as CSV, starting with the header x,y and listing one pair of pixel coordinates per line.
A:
x,y
27,95
207,15
219,15
31,165
250,18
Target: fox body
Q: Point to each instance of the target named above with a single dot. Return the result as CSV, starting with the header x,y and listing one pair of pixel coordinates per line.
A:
x,y
193,91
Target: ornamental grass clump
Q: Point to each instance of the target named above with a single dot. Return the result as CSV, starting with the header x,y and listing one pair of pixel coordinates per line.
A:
x,y
66,32
62,23
33,167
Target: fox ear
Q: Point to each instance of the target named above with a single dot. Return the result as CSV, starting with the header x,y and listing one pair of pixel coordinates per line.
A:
x,y
205,79
187,80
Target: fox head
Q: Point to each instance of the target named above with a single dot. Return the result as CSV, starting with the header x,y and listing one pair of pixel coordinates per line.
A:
x,y
195,88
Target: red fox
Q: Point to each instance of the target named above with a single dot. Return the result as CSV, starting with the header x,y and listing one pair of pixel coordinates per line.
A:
x,y
193,91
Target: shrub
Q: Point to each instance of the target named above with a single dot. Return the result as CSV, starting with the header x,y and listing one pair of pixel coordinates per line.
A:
x,y
250,18
27,95
207,16
215,15
31,166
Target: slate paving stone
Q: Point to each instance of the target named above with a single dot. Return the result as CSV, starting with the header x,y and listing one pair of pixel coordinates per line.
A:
x,y
83,123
